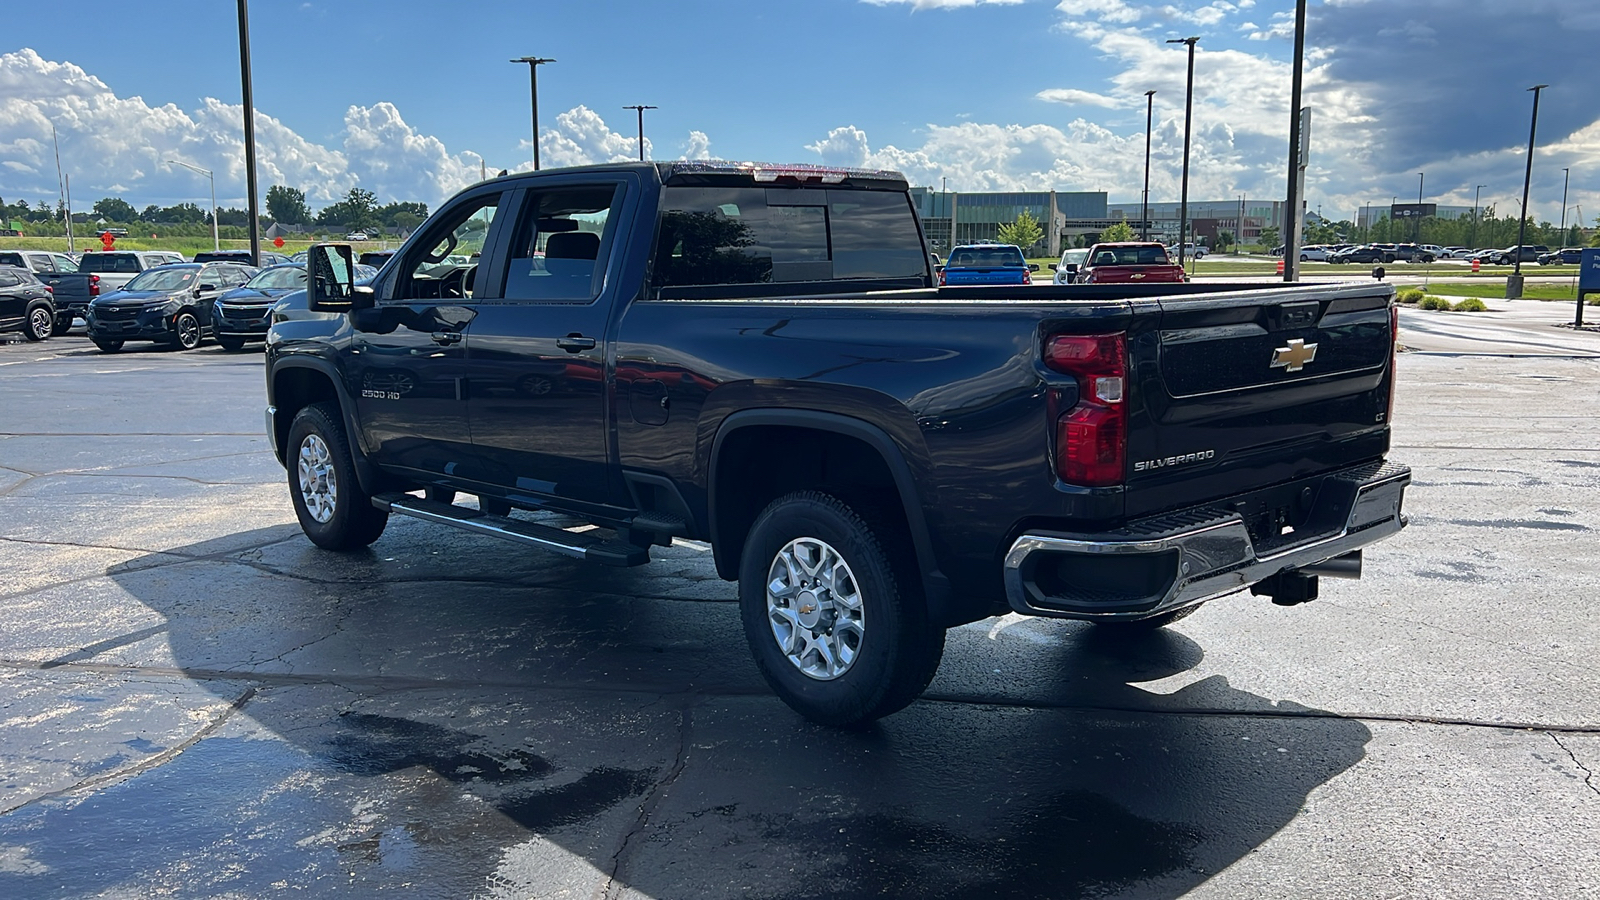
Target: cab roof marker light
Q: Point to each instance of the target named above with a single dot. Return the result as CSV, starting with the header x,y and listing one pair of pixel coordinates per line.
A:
x,y
766,172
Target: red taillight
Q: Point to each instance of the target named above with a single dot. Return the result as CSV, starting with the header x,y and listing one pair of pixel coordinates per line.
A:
x,y
50,289
941,278
1092,437
94,285
1027,277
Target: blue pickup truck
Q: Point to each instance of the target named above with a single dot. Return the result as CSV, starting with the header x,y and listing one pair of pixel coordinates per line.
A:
x,y
983,264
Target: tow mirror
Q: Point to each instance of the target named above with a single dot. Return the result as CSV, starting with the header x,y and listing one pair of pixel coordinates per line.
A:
x,y
1033,267
1054,267
938,269
1072,268
331,280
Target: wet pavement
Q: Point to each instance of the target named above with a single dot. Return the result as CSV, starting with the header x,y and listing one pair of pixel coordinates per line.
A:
x,y
195,702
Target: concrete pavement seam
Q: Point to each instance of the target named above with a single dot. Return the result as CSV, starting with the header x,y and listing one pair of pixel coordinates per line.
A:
x,y
651,802
146,765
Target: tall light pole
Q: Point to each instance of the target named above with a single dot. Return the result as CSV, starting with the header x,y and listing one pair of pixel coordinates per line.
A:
x,y
215,244
1149,120
1514,280
253,204
534,62
640,110
1566,182
1476,193
1188,112
1297,155
1418,237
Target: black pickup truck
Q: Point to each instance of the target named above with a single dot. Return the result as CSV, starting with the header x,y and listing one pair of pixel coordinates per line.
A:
x,y
757,357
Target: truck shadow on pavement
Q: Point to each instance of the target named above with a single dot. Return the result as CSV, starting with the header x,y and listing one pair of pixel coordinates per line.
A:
x,y
447,718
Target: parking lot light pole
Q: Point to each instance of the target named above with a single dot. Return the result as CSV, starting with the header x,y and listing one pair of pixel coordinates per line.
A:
x,y
215,244
1566,181
1476,193
1188,113
640,110
252,204
534,62
1292,220
1514,280
1149,120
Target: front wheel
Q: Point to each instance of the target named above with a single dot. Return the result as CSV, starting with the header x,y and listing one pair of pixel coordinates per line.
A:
x,y
231,344
186,332
334,512
825,610
41,322
62,325
108,346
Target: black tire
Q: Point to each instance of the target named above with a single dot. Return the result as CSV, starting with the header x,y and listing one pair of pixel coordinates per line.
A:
x,y
107,346
897,650
186,333
40,323
345,518
1144,626
231,344
62,326
494,506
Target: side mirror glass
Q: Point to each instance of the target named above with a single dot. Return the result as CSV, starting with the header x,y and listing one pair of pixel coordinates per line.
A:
x,y
1054,267
1034,267
331,280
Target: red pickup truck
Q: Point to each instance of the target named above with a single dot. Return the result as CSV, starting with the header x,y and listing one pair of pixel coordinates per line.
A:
x,y
1130,263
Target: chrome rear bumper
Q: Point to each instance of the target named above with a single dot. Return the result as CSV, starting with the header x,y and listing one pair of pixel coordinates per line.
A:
x,y
1181,559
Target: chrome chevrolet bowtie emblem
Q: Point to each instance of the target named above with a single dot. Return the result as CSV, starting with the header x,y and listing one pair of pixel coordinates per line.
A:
x,y
1294,357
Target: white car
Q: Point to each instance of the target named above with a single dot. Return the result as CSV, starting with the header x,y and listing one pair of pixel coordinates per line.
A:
x,y
357,236
1314,253
1071,262
1437,251
1190,251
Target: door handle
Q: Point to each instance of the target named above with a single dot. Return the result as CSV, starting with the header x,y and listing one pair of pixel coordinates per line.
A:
x,y
447,337
572,343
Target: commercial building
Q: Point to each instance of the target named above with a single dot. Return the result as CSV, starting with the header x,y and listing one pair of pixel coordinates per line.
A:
x,y
1065,218
1243,218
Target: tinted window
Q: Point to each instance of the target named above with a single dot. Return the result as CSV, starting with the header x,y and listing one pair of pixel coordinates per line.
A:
x,y
290,277
985,256
563,243
737,235
9,278
1130,256
12,259
110,262
40,262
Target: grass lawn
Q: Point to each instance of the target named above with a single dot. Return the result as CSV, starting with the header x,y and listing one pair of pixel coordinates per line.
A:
x,y
1497,290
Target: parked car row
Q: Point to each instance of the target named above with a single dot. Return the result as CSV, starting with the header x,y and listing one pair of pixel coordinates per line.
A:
x,y
1119,262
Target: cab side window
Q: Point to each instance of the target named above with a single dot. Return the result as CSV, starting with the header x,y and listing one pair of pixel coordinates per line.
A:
x,y
563,243
444,264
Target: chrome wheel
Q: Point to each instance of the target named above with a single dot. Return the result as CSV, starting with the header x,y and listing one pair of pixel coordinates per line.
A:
x,y
814,608
318,485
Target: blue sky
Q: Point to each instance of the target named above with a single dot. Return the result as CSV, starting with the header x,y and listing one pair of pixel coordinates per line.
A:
x,y
401,97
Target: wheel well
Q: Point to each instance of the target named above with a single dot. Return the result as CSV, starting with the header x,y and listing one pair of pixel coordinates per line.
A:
x,y
758,464
294,389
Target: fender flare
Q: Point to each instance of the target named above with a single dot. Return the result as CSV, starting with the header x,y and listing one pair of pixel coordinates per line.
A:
x,y
366,472
935,584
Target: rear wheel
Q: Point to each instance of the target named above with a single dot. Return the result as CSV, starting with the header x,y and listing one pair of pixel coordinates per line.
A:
x,y
62,326
332,508
41,322
108,346
825,610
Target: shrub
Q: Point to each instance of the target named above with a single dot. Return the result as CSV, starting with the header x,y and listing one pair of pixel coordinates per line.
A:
x,y
1409,295
1471,304
1431,302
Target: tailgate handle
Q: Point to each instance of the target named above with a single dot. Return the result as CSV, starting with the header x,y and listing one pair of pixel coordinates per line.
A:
x,y
1298,315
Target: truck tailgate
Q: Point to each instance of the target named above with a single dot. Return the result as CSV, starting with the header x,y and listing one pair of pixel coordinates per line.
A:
x,y
984,275
1237,391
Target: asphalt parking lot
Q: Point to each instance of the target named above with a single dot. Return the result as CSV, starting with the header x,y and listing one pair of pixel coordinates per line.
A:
x,y
195,702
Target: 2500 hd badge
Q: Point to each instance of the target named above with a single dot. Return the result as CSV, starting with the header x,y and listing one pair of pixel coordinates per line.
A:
x,y
1152,464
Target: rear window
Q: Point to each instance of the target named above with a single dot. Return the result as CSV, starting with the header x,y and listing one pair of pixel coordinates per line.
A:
x,y
985,256
12,259
1131,256
753,235
109,262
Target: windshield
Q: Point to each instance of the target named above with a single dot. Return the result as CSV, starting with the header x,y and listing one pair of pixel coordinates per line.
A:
x,y
109,262
289,277
161,280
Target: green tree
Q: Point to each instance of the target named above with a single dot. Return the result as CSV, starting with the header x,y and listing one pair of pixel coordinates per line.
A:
x,y
402,215
288,205
1024,232
358,210
1121,231
1269,236
115,209
1224,241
